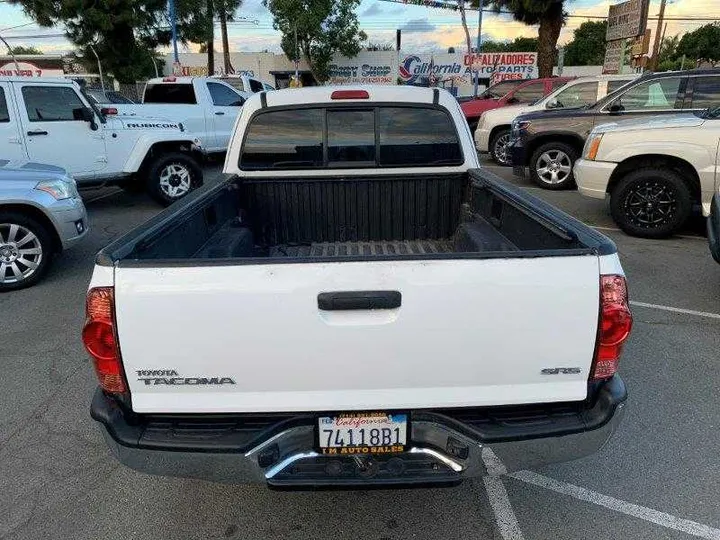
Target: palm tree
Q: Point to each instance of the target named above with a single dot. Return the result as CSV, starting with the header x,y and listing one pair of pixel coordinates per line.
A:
x,y
226,11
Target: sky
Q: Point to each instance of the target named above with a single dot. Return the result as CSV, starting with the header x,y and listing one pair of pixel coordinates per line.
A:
x,y
424,29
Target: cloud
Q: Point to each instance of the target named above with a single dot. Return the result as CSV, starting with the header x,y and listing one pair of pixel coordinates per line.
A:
x,y
373,10
418,25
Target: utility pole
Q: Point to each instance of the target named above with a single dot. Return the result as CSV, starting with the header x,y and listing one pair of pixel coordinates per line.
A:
x,y
297,57
477,49
17,67
173,25
658,36
102,83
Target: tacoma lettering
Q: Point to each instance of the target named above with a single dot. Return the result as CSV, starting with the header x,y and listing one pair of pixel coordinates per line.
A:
x,y
187,381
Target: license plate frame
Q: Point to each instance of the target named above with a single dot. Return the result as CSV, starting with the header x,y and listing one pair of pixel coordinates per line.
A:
x,y
399,419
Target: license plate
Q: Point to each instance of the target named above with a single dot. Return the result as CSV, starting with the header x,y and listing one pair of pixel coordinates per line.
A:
x,y
362,433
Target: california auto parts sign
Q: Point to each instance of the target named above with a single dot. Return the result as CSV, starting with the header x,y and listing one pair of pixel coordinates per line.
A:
x,y
494,66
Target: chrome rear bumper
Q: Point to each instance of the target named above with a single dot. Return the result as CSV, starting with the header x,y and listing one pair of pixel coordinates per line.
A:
x,y
442,451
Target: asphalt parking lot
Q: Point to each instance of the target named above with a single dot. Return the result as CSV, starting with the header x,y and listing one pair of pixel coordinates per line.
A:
x,y
659,477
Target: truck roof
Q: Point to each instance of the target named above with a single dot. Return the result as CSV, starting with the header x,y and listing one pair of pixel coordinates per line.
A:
x,y
172,79
49,80
375,93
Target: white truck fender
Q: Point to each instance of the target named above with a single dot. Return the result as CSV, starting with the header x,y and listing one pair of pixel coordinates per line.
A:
x,y
167,139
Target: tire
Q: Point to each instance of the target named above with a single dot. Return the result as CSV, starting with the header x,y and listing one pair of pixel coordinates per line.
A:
x,y
651,203
26,249
551,166
499,147
172,176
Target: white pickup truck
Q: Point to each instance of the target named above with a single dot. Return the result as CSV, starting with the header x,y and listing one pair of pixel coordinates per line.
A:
x,y
206,106
358,305
52,121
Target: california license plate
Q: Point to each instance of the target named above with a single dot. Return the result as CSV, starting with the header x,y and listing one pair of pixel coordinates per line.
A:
x,y
362,433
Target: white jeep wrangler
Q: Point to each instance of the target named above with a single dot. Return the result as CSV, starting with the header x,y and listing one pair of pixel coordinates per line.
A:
x,y
52,121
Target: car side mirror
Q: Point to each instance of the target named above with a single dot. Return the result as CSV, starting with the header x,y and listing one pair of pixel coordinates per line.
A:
x,y
85,114
512,100
616,108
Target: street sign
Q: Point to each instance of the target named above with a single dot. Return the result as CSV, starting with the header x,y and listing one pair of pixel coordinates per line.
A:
x,y
614,52
641,44
627,20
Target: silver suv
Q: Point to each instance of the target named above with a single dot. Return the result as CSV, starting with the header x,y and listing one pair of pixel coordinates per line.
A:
x,y
41,214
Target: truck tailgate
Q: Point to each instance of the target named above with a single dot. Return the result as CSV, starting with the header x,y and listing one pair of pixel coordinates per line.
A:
x,y
247,338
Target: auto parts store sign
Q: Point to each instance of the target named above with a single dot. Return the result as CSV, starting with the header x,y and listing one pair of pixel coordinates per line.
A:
x,y
494,66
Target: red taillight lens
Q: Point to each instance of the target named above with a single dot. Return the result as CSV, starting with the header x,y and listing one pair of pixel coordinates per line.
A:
x,y
350,94
109,111
98,336
613,327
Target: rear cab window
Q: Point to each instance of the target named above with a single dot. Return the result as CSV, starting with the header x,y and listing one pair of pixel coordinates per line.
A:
x,y
351,137
177,94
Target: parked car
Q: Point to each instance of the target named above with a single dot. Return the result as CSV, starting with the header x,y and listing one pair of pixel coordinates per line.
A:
x,y
41,214
493,131
52,121
107,97
549,142
358,224
653,170
512,92
207,107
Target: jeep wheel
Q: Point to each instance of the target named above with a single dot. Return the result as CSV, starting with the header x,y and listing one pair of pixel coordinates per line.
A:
x,y
172,176
551,166
651,203
25,251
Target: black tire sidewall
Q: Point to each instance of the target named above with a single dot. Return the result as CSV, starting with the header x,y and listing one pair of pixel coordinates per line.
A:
x,y
46,244
624,187
162,161
493,142
548,147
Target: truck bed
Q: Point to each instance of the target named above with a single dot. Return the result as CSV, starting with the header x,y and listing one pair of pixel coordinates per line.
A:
x,y
366,218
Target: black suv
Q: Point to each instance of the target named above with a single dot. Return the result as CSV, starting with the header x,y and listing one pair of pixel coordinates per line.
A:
x,y
549,142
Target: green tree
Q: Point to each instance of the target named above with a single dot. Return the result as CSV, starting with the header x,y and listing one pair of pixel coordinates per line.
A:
x,y
18,50
380,47
124,33
519,44
669,59
323,28
550,17
702,44
588,45
226,12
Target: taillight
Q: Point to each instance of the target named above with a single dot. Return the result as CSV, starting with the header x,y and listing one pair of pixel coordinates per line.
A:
x,y
613,327
100,340
350,94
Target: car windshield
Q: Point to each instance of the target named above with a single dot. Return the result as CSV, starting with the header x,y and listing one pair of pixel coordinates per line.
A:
x,y
500,89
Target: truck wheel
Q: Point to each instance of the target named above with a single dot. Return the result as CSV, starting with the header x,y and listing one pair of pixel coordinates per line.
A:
x,y
499,147
172,176
25,251
551,165
651,203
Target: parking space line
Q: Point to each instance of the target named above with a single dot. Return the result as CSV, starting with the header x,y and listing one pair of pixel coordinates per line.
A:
x,y
676,310
648,514
498,498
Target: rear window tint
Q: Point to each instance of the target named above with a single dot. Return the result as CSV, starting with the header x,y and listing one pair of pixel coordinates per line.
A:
x,y
417,137
4,114
351,136
170,93
370,137
706,93
284,139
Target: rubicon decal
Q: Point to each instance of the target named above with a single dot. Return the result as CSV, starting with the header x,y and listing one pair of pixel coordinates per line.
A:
x,y
155,125
170,377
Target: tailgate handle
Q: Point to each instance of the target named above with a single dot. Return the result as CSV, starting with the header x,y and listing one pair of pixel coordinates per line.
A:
x,y
347,300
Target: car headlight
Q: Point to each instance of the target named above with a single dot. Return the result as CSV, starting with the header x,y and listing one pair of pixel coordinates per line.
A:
x,y
592,146
58,189
519,125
